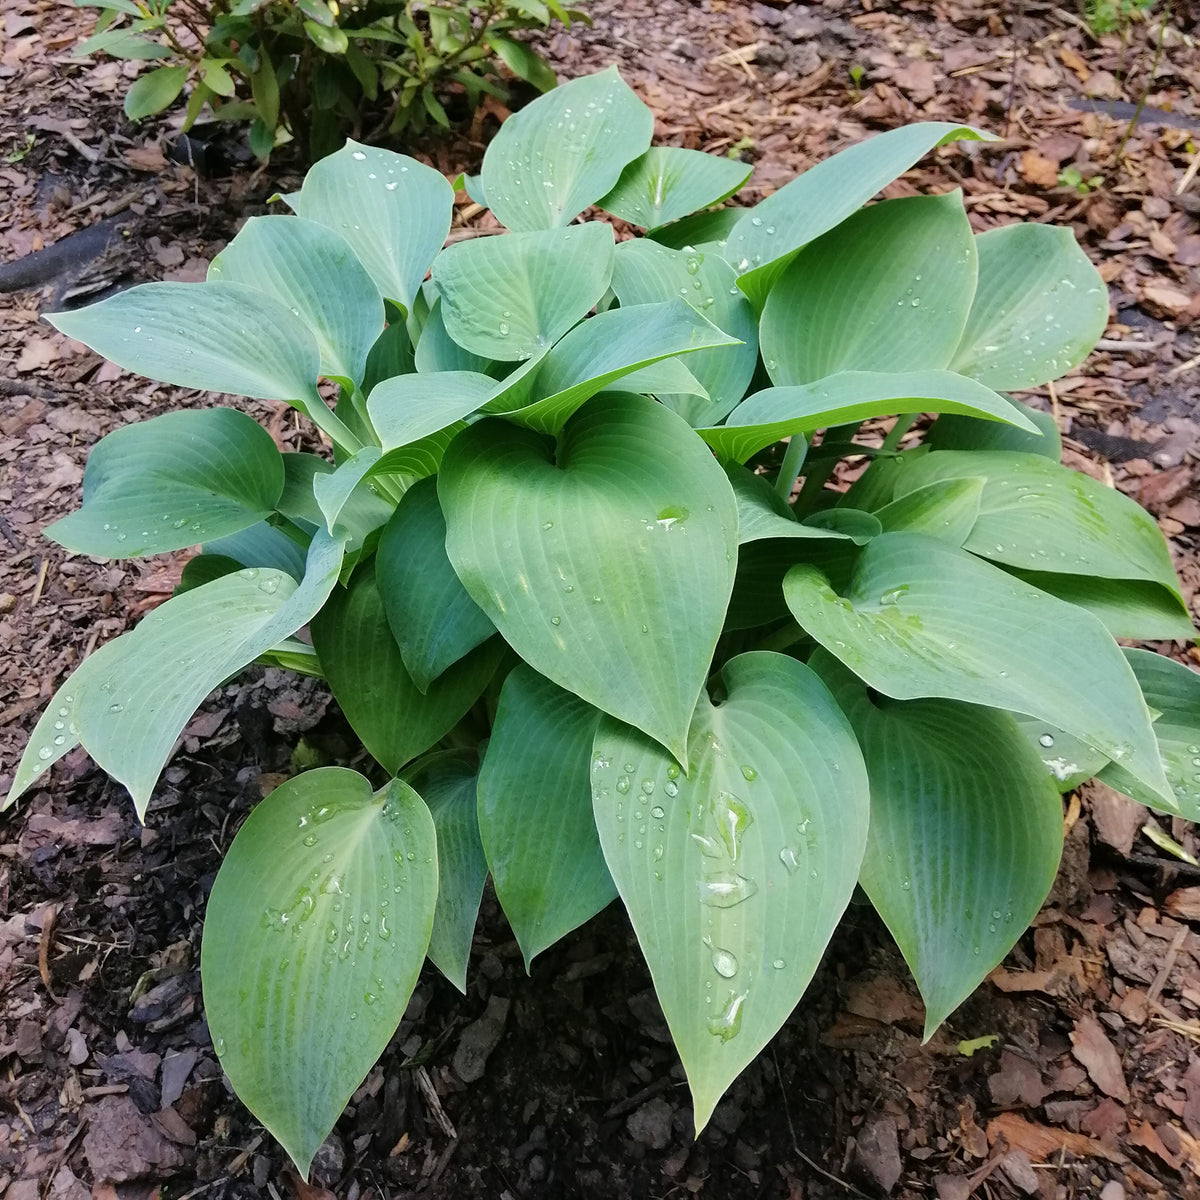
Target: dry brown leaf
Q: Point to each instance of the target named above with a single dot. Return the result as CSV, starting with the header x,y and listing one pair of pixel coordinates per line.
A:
x,y
1042,1143
1073,62
1184,904
1091,1046
1038,170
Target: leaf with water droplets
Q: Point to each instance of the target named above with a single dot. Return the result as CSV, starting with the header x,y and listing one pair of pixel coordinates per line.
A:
x,y
171,482
314,936
736,873
669,182
965,833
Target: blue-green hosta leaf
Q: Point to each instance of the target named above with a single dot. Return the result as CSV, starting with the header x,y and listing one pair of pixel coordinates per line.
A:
x,y
564,151
410,407
447,785
706,231
947,509
764,514
608,347
1173,691
1069,761
313,271
736,874
511,298
765,237
360,512
1039,309
260,545
173,481
535,812
128,707
434,621
437,351
333,491
668,182
362,662
606,560
391,354
1040,516
850,396
965,834
314,936
888,290
393,210
953,432
644,272
922,618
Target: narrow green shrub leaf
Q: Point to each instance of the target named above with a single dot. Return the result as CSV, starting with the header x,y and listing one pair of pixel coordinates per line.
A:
x,y
605,561
128,708
535,812
668,182
1038,515
850,396
447,785
393,210
362,662
173,481
824,196
314,272
564,151
155,90
1172,690
314,936
965,834
947,509
434,621
924,619
509,298
736,874
646,273
608,347
524,62
953,432
410,407
888,290
1039,309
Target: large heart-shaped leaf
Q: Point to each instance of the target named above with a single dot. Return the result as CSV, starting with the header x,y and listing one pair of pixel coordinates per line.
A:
x,y
535,812
564,151
311,269
605,560
1039,308
393,210
511,298
736,874
362,662
128,708
173,481
851,396
645,272
760,245
888,290
669,182
965,835
924,619
434,621
314,936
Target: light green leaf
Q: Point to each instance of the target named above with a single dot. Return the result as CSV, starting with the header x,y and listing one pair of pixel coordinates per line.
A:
x,y
965,835
947,509
434,621
735,876
155,90
763,513
645,273
1039,309
334,489
510,298
332,41
535,812
314,936
523,61
1037,515
313,271
850,396
924,619
605,561
371,685
447,785
888,290
128,707
173,481
1172,690
608,347
761,243
668,182
121,43
953,432
393,210
410,407
564,151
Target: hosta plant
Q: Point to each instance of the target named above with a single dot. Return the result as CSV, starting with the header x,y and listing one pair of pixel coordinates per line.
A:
x,y
561,574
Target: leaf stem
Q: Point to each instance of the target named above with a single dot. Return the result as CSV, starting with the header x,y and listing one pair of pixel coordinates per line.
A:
x,y
903,424
789,471
784,638
814,481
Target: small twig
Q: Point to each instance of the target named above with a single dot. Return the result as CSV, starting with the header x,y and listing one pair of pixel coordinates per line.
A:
x,y
435,1103
1189,174
17,387
1160,980
44,943
1121,346
1183,367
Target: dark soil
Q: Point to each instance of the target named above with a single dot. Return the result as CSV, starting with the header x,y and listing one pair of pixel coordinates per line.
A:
x,y
566,1084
